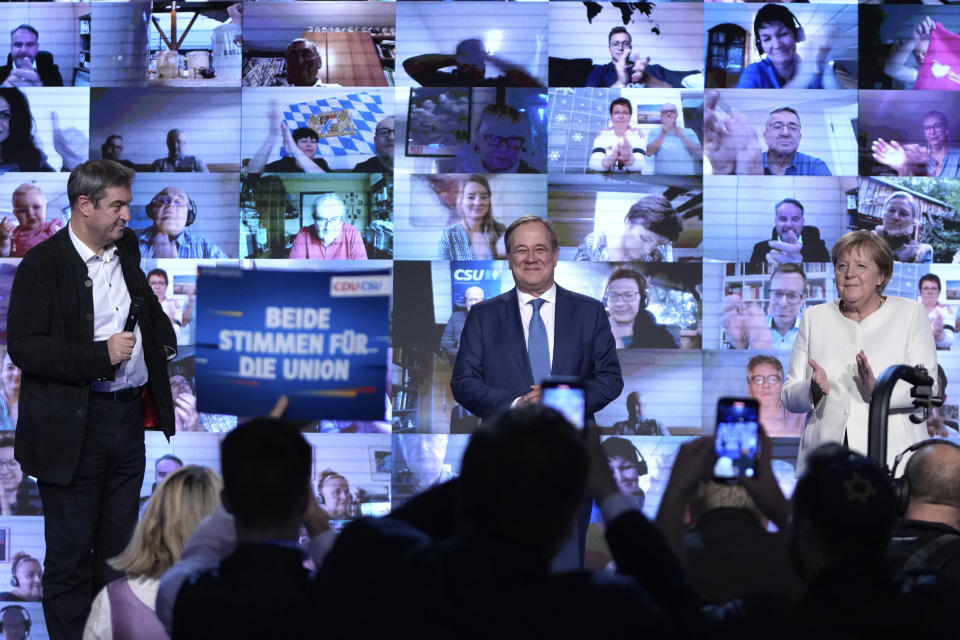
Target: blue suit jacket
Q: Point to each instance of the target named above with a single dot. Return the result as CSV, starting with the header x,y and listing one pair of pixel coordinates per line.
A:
x,y
492,367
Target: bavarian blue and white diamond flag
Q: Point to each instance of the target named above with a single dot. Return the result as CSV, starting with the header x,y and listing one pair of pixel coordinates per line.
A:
x,y
345,125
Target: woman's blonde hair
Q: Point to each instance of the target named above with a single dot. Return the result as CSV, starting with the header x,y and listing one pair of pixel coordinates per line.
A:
x,y
179,503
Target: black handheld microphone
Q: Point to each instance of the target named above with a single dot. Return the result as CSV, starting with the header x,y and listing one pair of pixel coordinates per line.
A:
x,y
136,306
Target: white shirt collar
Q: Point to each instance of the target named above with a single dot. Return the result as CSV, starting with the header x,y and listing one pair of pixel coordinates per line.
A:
x,y
550,295
86,253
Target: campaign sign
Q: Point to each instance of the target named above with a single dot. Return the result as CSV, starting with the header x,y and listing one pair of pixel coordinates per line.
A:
x,y
319,337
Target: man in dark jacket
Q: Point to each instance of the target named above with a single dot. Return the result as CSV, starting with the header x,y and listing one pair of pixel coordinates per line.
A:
x,y
27,66
87,385
791,241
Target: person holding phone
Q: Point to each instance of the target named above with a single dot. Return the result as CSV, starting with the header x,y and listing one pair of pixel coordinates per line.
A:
x,y
843,345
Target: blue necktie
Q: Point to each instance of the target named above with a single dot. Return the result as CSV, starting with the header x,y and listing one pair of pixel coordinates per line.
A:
x,y
538,348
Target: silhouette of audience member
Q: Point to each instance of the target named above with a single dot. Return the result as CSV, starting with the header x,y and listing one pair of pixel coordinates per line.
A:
x,y
266,476
729,551
483,543
840,520
470,60
26,577
928,534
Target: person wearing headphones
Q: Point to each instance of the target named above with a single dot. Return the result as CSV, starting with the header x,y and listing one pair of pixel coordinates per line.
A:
x,y
625,297
928,495
26,578
172,211
15,623
777,32
335,497
627,466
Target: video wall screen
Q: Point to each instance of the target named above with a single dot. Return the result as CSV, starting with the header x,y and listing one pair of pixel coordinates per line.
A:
x,y
698,162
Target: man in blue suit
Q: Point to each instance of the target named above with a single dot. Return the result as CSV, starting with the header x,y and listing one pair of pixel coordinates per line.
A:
x,y
511,342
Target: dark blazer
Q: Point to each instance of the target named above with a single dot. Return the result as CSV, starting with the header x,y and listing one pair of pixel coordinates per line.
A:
x,y
49,72
492,367
814,249
50,337
260,590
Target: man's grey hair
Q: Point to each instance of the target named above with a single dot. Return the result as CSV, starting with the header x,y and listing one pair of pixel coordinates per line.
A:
x,y
94,177
327,197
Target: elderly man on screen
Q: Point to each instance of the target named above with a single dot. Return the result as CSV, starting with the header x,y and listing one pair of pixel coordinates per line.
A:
x,y
329,237
172,211
731,147
176,161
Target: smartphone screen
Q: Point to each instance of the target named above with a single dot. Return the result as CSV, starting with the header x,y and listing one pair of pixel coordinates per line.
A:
x,y
736,441
568,398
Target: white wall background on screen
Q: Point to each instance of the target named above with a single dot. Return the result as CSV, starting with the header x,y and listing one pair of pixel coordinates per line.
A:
x,y
59,28
72,105
825,25
269,26
53,185
423,215
532,101
669,382
209,120
818,111
120,49
517,33
215,194
572,36
740,210
739,279
257,105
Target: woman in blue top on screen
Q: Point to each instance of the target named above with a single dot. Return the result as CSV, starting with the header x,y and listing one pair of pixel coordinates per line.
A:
x,y
476,236
776,33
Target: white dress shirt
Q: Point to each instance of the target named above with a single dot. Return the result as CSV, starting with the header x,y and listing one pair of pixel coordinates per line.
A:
x,y
111,305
